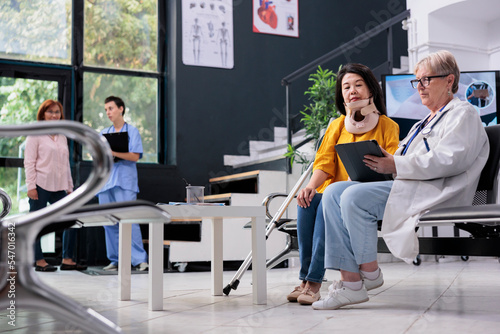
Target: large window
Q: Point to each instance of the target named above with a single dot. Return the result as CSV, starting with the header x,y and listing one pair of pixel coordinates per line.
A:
x,y
79,52
138,93
37,30
121,34
19,100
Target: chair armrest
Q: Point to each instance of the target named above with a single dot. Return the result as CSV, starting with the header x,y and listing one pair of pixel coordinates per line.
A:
x,y
488,214
269,198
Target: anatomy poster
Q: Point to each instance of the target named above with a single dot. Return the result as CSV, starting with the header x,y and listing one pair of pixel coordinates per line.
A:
x,y
207,33
277,17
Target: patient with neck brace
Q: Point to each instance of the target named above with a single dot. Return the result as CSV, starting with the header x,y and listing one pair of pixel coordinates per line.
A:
x,y
359,99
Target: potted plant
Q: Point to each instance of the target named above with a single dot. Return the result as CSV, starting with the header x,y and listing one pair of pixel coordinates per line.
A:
x,y
318,113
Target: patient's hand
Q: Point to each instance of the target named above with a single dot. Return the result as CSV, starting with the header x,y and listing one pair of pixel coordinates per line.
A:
x,y
305,197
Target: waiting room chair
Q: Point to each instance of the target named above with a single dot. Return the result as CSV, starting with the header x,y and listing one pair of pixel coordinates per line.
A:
x,y
481,219
287,226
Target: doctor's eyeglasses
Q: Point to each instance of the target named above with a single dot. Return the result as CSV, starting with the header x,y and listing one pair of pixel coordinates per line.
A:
x,y
425,81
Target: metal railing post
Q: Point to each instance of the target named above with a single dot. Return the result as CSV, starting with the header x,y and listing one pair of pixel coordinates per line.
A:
x,y
288,126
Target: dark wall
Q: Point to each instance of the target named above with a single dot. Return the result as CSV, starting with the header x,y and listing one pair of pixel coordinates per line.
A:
x,y
217,111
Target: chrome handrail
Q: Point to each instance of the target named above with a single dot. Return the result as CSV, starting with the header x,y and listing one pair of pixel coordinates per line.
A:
x,y
18,233
102,163
6,203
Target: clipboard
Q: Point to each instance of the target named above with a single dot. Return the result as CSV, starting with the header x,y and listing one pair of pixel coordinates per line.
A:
x,y
118,141
352,155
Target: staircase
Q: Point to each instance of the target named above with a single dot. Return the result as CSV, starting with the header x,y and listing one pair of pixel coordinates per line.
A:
x,y
405,67
264,151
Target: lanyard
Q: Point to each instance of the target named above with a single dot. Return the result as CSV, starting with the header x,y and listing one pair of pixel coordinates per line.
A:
x,y
425,132
121,130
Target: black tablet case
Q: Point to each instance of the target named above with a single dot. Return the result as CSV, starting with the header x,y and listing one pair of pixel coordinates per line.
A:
x,y
118,141
352,155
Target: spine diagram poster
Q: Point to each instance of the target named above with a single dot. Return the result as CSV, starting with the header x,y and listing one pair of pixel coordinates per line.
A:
x,y
277,17
207,33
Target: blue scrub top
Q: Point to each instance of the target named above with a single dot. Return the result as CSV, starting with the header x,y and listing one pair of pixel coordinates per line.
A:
x,y
124,172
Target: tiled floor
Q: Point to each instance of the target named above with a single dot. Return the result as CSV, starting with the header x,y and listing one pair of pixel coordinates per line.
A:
x,y
446,297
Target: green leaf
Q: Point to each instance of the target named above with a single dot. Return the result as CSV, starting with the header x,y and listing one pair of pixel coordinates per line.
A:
x,y
320,110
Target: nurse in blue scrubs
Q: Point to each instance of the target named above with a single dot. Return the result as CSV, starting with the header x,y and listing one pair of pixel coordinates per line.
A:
x,y
122,184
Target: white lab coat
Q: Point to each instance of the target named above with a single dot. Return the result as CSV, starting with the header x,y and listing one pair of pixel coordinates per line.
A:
x,y
445,176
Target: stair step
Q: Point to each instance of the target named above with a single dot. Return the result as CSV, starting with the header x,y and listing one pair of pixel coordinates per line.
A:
x,y
404,66
219,198
265,151
234,177
245,183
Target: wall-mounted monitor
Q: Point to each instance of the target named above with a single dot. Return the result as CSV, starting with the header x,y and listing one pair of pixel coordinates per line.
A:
x,y
403,103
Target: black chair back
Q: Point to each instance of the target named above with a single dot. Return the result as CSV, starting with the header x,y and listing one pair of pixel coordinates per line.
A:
x,y
490,170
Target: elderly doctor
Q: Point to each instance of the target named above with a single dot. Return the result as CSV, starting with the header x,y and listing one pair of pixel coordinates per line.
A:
x,y
437,165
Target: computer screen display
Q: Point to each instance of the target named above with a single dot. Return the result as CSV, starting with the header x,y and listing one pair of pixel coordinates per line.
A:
x,y
404,105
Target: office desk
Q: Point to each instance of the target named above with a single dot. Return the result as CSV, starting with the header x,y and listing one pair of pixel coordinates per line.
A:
x,y
216,214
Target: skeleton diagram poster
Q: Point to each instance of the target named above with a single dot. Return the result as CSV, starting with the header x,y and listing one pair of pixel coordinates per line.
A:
x,y
207,33
277,17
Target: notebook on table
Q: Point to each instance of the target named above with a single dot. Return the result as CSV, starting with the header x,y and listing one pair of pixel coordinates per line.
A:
x,y
352,155
118,141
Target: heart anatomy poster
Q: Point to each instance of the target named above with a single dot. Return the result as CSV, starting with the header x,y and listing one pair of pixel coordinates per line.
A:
x,y
207,33
277,17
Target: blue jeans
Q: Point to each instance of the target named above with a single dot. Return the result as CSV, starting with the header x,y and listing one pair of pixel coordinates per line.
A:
x,y
352,210
311,237
69,235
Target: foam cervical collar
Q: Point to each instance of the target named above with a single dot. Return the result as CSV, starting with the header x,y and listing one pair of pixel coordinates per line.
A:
x,y
365,108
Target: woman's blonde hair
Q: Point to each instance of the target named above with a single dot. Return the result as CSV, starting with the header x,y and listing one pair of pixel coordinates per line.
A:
x,y
441,63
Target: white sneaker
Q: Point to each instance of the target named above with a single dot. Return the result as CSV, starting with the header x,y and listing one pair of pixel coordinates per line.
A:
x,y
369,284
142,266
373,284
341,296
110,267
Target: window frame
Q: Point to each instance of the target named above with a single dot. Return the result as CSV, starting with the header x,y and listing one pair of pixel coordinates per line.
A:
x,y
70,79
160,74
35,71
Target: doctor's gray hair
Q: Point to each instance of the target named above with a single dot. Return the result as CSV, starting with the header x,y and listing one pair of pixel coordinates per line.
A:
x,y
441,63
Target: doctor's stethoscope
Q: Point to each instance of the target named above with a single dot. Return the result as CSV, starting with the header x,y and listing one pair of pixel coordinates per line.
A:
x,y
425,130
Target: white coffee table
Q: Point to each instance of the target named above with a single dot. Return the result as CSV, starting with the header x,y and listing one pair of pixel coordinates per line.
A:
x,y
216,214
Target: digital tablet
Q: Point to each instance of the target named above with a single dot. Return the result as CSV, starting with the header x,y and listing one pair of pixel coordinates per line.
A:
x,y
352,155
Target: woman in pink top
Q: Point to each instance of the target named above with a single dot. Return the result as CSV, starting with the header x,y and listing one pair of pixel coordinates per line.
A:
x,y
48,178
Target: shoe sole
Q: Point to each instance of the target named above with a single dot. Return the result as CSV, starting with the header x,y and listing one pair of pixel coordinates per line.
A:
x,y
46,270
374,287
293,299
342,305
307,299
306,302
